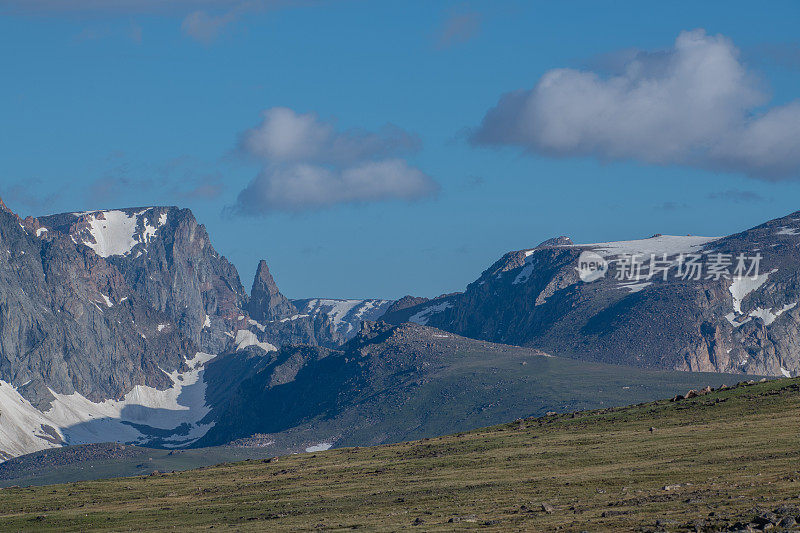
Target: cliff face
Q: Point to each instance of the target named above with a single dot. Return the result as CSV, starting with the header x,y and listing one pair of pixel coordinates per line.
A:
x,y
70,322
166,257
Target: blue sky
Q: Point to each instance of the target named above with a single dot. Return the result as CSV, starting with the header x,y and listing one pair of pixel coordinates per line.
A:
x,y
150,103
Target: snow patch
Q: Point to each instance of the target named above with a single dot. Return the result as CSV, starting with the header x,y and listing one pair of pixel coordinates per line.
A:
x,y
786,373
108,301
245,338
767,316
731,317
346,315
257,324
423,316
161,327
207,322
321,447
636,287
41,231
293,317
741,287
784,230
115,232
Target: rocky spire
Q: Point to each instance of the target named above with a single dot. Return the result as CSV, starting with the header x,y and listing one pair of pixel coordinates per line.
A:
x,y
266,301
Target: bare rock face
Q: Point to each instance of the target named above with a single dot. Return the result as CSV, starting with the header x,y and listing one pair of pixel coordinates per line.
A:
x,y
266,301
70,322
167,259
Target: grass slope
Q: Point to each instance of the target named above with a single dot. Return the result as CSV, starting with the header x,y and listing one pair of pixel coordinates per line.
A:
x,y
92,461
708,461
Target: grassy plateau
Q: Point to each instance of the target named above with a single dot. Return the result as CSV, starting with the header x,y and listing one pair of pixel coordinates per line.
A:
x,y
702,463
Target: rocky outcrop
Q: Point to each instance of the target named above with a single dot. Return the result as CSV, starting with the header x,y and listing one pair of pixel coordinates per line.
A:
x,y
343,317
266,301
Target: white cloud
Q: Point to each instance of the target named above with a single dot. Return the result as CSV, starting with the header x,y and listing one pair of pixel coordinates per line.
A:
x,y
286,136
308,164
694,104
301,186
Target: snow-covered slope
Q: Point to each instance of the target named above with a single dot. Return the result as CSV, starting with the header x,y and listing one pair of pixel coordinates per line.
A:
x,y
113,232
346,315
658,244
141,417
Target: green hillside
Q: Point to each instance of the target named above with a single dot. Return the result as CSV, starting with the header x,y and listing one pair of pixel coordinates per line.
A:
x,y
98,461
708,462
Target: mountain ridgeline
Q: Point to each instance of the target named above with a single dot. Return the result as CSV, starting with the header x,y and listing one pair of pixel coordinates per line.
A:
x,y
732,323
126,325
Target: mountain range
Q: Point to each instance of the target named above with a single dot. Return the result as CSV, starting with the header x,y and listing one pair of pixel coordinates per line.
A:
x,y
126,325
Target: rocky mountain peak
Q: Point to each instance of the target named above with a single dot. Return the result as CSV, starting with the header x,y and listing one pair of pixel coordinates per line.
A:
x,y
266,301
563,240
166,257
405,302
3,206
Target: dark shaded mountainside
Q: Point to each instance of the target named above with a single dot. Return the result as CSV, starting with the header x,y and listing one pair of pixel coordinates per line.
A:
x,y
126,325
535,297
394,383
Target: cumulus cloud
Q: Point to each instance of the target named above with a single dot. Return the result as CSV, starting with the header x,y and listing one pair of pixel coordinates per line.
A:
x,y
307,163
695,104
284,135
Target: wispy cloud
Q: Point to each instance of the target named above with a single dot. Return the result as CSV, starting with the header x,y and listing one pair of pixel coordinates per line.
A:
x,y
126,7
204,27
694,104
179,178
737,196
202,20
459,27
307,164
671,206
32,195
